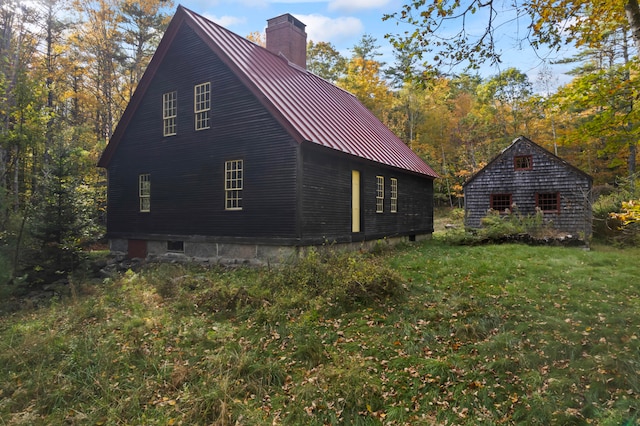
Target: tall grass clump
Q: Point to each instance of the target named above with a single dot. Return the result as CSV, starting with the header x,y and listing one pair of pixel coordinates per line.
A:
x,y
332,278
500,226
496,225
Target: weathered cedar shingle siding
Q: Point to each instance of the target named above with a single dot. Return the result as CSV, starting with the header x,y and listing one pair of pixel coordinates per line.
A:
x,y
187,170
549,174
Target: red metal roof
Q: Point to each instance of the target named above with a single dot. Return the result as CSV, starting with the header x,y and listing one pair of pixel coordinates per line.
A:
x,y
319,111
311,108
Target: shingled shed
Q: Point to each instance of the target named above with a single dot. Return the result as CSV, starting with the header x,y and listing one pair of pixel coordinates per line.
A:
x,y
529,178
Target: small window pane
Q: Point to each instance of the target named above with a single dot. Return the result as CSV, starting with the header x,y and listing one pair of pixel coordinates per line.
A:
x,y
548,202
202,105
169,113
523,162
379,194
233,184
394,195
501,202
144,192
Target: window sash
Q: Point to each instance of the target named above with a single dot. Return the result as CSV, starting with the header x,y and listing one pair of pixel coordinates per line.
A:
x,y
233,184
548,202
144,192
379,194
394,195
169,113
202,105
523,162
501,202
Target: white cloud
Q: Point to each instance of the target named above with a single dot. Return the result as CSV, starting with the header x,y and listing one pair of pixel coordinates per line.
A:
x,y
226,21
331,30
355,5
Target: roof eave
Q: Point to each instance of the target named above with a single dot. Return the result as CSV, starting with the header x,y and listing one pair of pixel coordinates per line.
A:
x,y
142,87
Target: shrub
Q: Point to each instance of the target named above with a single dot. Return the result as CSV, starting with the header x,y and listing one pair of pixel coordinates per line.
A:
x,y
341,279
611,214
628,223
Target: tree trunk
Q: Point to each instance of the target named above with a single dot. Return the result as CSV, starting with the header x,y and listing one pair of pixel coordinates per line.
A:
x,y
632,10
633,17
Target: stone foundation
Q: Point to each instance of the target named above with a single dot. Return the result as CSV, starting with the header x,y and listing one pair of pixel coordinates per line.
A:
x,y
235,253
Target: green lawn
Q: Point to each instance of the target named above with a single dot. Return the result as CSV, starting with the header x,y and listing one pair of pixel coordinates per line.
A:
x,y
422,334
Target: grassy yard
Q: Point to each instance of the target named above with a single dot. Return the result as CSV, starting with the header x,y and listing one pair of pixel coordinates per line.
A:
x,y
422,334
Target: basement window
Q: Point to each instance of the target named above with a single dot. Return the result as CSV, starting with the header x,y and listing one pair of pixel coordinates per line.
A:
x,y
379,194
548,202
175,246
523,162
501,202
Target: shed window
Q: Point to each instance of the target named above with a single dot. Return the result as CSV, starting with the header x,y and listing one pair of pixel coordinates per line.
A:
x,y
202,105
548,201
233,184
169,113
394,195
523,162
144,192
380,194
501,202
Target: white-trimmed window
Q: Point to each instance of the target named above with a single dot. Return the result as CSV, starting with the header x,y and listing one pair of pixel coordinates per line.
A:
x,y
202,105
379,194
394,195
169,113
233,184
144,192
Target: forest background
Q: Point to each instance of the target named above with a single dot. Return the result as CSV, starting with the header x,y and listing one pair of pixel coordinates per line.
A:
x,y
69,67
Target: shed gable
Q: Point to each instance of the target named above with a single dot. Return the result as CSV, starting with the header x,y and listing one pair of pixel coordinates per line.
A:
x,y
530,179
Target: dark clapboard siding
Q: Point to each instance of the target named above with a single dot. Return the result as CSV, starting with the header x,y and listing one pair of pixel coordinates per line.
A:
x,y
187,170
326,199
549,174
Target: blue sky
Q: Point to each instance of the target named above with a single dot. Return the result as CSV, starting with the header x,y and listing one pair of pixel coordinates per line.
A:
x,y
344,22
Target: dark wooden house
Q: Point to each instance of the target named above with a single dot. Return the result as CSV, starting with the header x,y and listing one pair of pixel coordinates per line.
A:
x,y
529,178
228,150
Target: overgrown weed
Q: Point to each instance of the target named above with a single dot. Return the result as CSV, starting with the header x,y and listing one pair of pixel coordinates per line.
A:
x,y
430,334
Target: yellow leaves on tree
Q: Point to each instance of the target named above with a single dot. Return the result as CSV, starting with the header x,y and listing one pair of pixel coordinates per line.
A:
x,y
630,213
363,79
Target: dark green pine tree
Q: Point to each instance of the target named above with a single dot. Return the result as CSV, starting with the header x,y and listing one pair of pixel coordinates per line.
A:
x,y
61,216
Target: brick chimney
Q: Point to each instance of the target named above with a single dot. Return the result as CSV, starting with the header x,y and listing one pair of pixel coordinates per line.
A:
x,y
286,36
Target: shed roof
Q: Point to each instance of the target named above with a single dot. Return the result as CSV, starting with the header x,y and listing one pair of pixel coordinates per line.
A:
x,y
309,107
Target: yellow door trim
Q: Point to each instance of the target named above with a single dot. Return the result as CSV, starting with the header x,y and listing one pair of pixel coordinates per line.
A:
x,y
355,201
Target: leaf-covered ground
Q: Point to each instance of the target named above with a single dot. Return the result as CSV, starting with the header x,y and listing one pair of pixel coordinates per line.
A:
x,y
425,334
